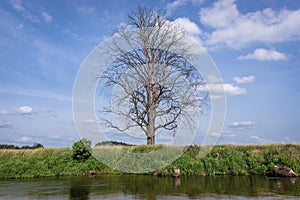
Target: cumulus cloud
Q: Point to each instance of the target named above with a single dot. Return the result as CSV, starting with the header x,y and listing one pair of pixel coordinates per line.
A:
x,y
231,28
245,79
217,90
5,124
263,55
222,14
26,110
190,27
234,90
255,137
240,125
173,5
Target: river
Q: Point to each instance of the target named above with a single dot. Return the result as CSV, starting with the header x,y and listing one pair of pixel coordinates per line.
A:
x,y
152,188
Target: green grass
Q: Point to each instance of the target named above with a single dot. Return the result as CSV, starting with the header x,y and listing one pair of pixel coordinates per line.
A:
x,y
221,160
48,162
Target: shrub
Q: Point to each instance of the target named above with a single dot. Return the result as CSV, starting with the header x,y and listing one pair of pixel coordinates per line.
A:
x,y
82,149
37,145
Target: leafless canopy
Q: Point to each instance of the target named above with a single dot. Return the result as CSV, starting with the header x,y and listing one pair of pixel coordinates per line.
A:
x,y
158,84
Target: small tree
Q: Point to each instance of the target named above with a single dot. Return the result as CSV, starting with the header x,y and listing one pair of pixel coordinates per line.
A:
x,y
37,145
82,149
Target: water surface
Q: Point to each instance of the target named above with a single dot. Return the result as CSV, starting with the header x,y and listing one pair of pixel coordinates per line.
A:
x,y
152,188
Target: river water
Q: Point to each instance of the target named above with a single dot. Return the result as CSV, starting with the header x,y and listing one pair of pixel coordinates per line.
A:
x,y
152,188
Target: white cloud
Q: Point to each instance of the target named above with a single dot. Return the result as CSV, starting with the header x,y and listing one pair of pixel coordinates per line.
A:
x,y
254,137
171,7
175,4
5,124
25,110
24,139
245,79
190,27
234,29
264,54
47,18
222,14
218,90
234,90
242,125
261,140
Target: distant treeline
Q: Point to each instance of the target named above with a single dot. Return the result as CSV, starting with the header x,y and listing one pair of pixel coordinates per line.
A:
x,y
113,143
11,146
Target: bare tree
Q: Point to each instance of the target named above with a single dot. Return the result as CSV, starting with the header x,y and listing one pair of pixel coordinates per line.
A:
x,y
159,85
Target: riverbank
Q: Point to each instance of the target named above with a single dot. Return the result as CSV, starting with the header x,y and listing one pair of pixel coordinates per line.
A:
x,y
222,160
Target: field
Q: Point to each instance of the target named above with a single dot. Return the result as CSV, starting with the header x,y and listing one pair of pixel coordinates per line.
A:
x,y
221,160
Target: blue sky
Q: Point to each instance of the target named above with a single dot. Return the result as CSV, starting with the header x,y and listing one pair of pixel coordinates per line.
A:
x,y
255,45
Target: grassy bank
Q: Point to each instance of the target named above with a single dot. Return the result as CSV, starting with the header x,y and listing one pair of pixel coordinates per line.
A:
x,y
222,160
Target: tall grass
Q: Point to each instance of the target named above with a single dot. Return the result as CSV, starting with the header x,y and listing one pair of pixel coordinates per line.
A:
x,y
47,162
222,160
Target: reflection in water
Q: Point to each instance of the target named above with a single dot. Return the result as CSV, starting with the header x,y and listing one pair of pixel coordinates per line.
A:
x,y
283,183
80,189
152,188
176,182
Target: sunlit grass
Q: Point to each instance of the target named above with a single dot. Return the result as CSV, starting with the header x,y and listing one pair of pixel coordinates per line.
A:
x,y
221,160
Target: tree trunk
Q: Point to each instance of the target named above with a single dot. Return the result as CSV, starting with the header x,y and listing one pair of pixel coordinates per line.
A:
x,y
151,140
151,126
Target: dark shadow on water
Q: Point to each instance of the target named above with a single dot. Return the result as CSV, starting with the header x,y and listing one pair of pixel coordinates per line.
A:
x,y
80,189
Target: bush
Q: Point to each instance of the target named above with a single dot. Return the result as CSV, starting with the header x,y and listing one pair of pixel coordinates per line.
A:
x,y
82,149
37,145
